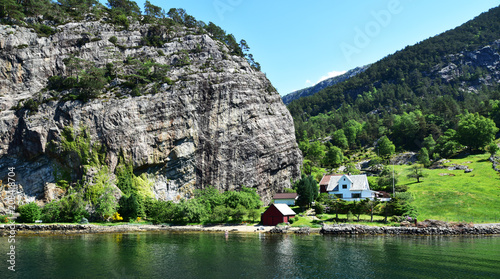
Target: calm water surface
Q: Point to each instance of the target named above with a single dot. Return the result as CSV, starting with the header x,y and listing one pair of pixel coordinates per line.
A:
x,y
211,255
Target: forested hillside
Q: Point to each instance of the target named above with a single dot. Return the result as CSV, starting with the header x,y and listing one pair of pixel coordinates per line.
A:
x,y
441,94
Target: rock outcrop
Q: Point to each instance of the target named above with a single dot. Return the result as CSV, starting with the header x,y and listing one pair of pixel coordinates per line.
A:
x,y
216,122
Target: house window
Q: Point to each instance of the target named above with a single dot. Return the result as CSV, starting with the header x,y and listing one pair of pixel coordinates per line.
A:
x,y
344,186
356,195
340,196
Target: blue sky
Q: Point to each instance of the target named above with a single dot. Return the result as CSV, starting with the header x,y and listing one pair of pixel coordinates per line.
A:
x,y
298,43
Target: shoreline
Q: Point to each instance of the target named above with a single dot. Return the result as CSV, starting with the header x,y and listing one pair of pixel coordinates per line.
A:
x,y
342,229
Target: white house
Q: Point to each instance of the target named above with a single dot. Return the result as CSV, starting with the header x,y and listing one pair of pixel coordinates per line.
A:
x,y
347,187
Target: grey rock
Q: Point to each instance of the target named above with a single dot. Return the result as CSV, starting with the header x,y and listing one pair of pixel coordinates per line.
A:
x,y
219,125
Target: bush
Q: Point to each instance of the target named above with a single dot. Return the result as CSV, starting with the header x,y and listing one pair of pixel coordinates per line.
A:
x,y
319,208
29,212
4,219
51,212
113,40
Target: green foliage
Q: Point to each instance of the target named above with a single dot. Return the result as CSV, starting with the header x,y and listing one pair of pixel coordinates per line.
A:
x,y
246,197
131,207
385,180
192,210
124,8
254,214
153,11
307,189
492,148
87,153
423,157
29,213
12,9
403,97
447,145
220,214
73,208
162,211
385,148
319,208
416,172
340,140
4,219
51,212
238,213
334,157
476,131
113,40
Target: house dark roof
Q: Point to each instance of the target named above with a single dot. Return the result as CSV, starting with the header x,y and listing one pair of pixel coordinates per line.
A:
x,y
282,196
326,179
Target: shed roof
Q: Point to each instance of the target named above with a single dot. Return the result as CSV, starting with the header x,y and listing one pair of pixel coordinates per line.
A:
x,y
284,209
281,196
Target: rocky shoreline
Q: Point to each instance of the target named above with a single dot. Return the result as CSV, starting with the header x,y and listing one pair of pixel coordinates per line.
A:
x,y
342,229
478,229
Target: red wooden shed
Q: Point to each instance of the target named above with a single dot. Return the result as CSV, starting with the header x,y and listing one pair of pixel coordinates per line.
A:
x,y
277,213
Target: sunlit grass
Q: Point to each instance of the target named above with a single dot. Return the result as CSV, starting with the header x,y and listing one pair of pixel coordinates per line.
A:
x,y
453,195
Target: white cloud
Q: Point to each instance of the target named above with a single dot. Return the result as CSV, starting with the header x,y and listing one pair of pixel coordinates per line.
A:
x,y
331,74
308,82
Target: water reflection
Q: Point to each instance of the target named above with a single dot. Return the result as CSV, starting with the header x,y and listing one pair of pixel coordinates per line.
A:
x,y
213,255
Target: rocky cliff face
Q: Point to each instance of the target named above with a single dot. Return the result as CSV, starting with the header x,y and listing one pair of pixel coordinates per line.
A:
x,y
216,122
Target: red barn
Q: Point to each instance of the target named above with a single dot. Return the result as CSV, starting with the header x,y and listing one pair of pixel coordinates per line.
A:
x,y
277,213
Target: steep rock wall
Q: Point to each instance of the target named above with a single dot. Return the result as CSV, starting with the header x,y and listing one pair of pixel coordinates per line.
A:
x,y
219,123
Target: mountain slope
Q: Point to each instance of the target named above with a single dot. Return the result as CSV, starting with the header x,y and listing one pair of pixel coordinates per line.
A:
x,y
288,98
438,79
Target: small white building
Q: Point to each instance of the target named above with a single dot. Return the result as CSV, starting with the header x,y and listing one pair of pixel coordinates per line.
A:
x,y
348,187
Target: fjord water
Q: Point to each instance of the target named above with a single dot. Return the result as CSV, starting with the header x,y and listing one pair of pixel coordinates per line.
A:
x,y
212,255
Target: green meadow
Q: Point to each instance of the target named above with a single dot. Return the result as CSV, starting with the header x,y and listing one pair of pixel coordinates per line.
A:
x,y
453,195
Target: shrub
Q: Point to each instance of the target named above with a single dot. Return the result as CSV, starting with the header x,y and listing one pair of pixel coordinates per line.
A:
x,y
117,217
4,219
29,212
51,212
319,208
113,40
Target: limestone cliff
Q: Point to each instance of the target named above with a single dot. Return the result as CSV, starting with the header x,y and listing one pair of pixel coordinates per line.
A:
x,y
215,120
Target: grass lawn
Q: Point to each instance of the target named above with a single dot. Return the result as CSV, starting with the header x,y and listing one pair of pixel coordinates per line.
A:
x,y
453,195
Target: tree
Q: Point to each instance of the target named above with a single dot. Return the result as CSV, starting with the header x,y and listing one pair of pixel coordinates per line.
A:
x,y
423,157
339,139
476,131
253,214
430,144
416,172
307,189
370,205
385,148
11,8
493,148
106,204
334,157
357,208
336,205
447,145
153,11
125,7
316,152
